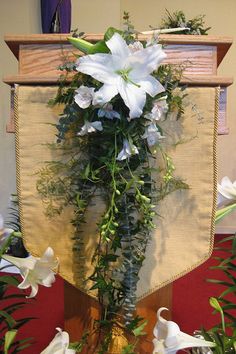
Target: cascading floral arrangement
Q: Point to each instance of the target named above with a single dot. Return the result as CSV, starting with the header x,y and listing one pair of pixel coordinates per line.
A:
x,y
111,132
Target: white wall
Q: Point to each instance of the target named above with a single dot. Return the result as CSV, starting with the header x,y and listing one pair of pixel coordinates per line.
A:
x,y
16,17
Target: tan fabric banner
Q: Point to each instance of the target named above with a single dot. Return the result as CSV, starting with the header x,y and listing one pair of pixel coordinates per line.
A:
x,y
184,235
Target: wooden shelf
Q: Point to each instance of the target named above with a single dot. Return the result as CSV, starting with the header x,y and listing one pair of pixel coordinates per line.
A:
x,y
198,80
221,42
40,55
191,80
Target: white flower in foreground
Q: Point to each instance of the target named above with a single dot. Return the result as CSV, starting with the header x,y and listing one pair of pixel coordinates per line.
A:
x,y
108,112
169,339
124,72
160,107
84,96
226,189
59,344
35,270
90,127
127,151
152,134
4,232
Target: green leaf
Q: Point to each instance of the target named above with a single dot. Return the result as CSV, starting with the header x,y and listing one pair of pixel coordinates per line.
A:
x,y
138,331
220,282
232,289
221,213
99,47
7,318
215,304
80,44
87,47
14,296
87,170
21,347
110,32
22,321
128,349
9,339
10,280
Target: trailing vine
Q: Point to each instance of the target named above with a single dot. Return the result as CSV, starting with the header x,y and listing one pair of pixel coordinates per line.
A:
x,y
105,153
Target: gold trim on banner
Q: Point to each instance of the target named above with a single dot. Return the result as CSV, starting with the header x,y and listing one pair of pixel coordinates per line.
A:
x,y
17,151
21,119
214,207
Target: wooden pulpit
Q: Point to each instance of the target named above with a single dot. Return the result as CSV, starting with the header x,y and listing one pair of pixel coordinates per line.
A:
x,y
39,57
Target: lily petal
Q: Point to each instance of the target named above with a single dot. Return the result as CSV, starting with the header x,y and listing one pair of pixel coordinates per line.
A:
x,y
118,46
127,151
25,284
145,61
21,263
107,111
133,97
84,96
124,72
150,85
34,291
59,344
104,94
170,339
97,125
99,66
90,127
35,270
227,189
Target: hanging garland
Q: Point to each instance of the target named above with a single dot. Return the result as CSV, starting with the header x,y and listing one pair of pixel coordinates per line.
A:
x,y
111,137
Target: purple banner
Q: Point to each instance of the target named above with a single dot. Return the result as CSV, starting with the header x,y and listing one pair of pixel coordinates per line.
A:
x,y
56,16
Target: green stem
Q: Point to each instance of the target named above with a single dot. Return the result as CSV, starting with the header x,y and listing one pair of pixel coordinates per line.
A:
x,y
221,213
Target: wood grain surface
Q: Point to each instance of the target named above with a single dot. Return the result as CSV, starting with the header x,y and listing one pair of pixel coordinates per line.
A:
x,y
38,60
81,311
222,43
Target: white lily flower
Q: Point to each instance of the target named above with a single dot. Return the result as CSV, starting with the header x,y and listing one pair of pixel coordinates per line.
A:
x,y
152,134
169,339
108,112
90,127
84,96
127,151
160,107
226,190
35,270
59,344
124,72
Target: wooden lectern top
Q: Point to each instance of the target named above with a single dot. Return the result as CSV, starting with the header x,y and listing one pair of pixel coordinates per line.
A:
x,y
221,42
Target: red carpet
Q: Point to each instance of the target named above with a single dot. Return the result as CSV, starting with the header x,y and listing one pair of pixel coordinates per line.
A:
x,y
191,308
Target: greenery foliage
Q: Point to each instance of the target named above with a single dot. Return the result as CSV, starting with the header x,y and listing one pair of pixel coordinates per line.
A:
x,y
130,190
178,19
11,298
224,333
